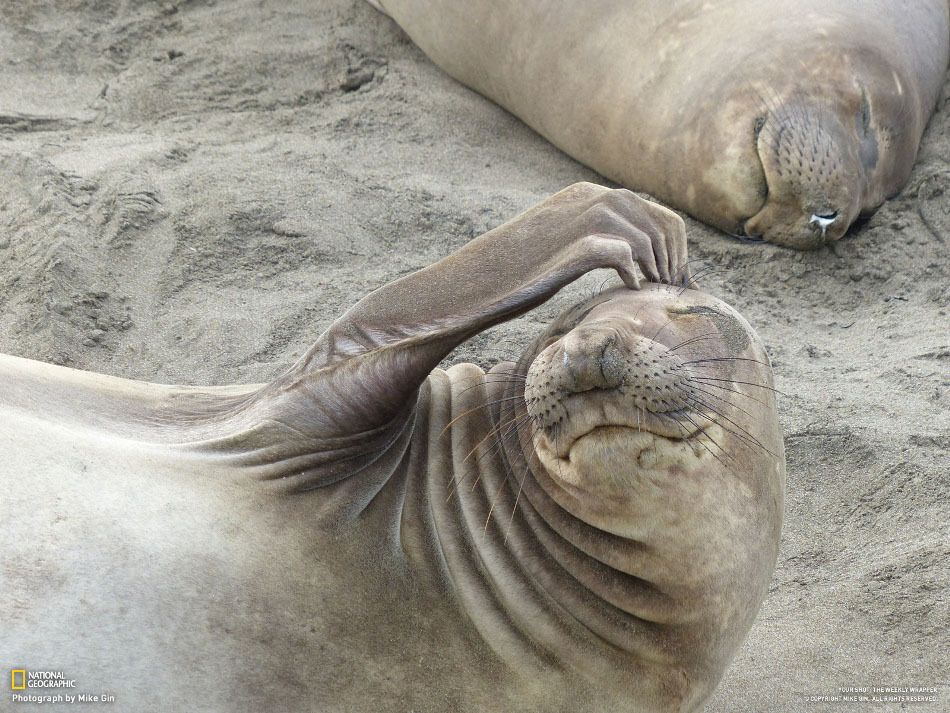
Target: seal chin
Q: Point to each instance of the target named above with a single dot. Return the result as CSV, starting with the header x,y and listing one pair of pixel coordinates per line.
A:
x,y
620,456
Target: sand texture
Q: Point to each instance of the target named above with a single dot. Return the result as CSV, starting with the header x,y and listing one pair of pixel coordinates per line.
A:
x,y
190,192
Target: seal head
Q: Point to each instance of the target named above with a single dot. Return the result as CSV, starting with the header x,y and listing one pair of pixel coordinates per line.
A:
x,y
831,154
815,176
649,380
653,422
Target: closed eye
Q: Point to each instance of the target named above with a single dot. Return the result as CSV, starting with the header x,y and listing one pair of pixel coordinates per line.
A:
x,y
732,331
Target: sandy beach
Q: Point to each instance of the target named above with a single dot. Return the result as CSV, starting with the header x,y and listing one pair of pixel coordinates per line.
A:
x,y
193,191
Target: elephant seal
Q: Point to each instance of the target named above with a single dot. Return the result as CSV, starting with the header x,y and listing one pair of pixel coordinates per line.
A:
x,y
775,121
591,528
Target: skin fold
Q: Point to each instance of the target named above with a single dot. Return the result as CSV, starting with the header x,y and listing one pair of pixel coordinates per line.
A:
x,y
591,528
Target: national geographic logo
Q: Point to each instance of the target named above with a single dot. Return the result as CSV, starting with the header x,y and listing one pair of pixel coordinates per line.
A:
x,y
21,679
28,686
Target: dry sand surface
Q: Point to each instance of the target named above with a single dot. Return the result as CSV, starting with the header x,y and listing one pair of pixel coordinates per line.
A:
x,y
191,191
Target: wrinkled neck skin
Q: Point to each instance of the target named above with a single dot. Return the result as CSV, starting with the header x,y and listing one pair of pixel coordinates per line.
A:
x,y
583,618
646,619
516,560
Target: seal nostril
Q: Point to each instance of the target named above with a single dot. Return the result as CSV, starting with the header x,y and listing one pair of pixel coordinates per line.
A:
x,y
822,221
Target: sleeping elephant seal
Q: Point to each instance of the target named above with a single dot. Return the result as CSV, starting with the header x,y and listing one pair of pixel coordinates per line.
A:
x,y
774,120
591,528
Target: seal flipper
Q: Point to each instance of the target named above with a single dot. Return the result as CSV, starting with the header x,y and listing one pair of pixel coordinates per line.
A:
x,y
371,361
350,402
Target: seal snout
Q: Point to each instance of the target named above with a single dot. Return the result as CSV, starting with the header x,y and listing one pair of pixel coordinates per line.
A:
x,y
605,374
593,358
814,175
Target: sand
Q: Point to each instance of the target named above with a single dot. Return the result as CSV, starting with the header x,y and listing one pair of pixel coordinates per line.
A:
x,y
192,191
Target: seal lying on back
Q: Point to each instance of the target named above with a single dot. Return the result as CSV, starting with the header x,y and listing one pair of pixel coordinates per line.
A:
x,y
591,528
774,120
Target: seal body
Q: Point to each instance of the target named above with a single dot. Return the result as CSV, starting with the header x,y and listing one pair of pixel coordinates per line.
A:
x,y
781,121
591,528
169,577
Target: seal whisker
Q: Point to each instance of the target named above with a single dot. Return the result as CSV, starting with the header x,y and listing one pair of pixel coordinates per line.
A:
x,y
702,273
786,112
694,387
502,380
666,324
476,380
747,437
489,381
691,281
479,379
494,431
514,508
504,481
603,284
724,453
502,431
712,268
477,408
511,426
771,110
780,119
724,388
719,359
457,480
747,383
699,439
494,501
681,272
701,337
557,449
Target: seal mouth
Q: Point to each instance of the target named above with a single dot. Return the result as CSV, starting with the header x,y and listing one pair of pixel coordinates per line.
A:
x,y
665,426
745,237
610,430
610,454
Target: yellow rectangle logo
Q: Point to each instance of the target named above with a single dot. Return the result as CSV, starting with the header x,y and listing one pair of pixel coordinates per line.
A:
x,y
13,679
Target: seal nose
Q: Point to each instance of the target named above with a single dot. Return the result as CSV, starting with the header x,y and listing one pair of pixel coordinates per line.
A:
x,y
593,358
